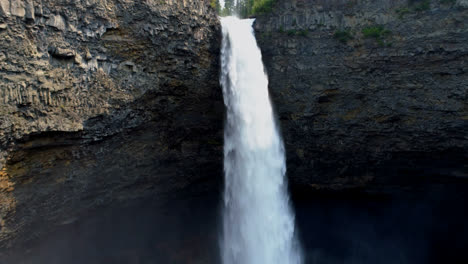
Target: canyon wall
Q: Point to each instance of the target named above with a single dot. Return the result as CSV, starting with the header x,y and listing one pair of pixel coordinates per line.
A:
x,y
104,102
369,93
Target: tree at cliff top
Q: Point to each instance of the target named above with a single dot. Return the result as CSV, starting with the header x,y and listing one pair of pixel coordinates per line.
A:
x,y
246,8
216,5
228,9
262,6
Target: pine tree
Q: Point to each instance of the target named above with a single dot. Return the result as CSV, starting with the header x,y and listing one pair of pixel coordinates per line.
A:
x,y
229,6
246,8
216,5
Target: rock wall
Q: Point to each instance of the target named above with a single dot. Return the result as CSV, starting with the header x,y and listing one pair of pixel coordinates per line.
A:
x,y
370,93
102,102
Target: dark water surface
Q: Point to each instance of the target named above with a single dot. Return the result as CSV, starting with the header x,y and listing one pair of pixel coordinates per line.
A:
x,y
417,227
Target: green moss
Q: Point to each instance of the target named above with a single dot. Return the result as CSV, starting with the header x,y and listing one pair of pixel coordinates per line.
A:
x,y
422,6
401,12
376,32
418,6
343,36
303,32
379,33
296,32
265,35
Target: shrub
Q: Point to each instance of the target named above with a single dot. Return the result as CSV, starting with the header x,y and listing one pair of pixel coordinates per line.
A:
x,y
423,6
402,12
262,6
377,32
303,32
295,32
343,36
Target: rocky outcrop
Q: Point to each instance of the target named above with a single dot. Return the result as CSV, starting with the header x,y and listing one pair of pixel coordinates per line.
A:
x,y
369,93
101,102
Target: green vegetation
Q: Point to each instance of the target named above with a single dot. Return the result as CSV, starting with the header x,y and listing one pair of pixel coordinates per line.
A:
x,y
228,8
379,33
422,6
262,6
376,32
302,32
265,35
295,32
343,36
216,5
246,8
402,12
418,6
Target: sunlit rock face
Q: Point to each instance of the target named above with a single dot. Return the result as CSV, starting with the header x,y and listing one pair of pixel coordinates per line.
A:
x,y
102,102
369,93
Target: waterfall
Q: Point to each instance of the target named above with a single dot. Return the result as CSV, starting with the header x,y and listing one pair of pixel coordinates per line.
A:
x,y
258,221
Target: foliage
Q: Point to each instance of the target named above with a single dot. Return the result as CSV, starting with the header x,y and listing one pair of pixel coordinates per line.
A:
x,y
228,9
423,6
262,6
216,5
376,32
343,36
418,6
302,32
402,12
246,8
295,32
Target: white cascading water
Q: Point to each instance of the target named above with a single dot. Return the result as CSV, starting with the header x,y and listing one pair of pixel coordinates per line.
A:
x,y
258,221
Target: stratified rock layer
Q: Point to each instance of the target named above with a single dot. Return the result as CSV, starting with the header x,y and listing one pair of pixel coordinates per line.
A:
x,y
369,92
103,101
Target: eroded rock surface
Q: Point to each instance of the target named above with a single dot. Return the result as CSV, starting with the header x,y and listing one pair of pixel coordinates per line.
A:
x,y
103,101
369,92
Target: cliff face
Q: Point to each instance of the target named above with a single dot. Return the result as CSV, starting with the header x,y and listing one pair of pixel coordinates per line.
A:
x,y
369,93
103,101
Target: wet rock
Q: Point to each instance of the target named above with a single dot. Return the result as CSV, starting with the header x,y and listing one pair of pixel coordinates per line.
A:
x,y
392,105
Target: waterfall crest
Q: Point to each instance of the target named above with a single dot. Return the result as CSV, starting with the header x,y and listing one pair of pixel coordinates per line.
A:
x,y
258,221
